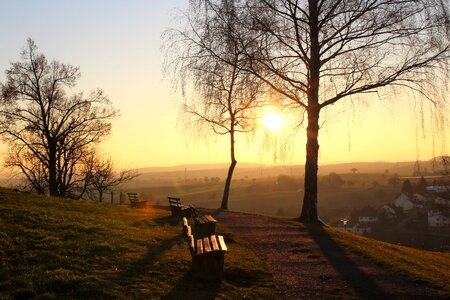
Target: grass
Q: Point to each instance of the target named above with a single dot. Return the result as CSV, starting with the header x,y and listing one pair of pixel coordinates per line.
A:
x,y
53,248
424,267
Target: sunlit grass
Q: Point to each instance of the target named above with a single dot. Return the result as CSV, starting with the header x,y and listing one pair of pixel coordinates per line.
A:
x,y
432,268
56,248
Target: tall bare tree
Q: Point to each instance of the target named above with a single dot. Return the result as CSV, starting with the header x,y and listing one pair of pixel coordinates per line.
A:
x,y
318,52
212,61
48,131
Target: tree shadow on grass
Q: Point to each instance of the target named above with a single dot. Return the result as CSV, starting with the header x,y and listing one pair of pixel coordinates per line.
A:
x,y
117,285
138,267
361,283
172,220
190,287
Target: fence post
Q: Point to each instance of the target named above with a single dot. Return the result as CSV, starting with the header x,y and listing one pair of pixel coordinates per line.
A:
x,y
121,198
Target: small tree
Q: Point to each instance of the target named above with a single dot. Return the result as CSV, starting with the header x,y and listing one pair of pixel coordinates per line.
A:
x,y
422,186
394,181
104,175
334,180
407,188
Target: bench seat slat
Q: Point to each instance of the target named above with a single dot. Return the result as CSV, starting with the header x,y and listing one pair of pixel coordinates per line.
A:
x,y
215,246
222,244
206,245
210,218
199,246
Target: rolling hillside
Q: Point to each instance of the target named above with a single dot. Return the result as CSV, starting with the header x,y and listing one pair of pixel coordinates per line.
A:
x,y
52,248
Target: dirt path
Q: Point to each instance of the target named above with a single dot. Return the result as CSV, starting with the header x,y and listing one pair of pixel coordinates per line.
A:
x,y
306,267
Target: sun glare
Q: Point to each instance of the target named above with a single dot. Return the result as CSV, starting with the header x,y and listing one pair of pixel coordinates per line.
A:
x,y
272,121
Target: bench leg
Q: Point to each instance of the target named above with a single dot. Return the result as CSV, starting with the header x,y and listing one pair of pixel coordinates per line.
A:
x,y
209,266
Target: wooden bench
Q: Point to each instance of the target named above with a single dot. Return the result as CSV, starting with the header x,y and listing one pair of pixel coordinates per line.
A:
x,y
70,194
208,254
134,201
204,225
178,210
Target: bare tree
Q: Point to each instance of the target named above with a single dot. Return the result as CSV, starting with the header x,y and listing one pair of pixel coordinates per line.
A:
x,y
105,176
318,52
48,131
213,60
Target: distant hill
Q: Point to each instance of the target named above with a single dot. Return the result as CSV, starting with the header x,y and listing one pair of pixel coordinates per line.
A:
x,y
194,167
253,170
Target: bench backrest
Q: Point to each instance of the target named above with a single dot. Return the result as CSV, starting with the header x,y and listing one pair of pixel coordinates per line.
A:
x,y
174,201
133,197
193,212
205,245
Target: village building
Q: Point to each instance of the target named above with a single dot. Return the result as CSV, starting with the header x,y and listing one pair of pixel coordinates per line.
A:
x,y
438,219
404,202
388,211
441,201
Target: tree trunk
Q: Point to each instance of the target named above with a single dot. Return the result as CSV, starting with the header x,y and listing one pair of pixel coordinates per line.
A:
x,y
100,196
52,176
309,209
226,190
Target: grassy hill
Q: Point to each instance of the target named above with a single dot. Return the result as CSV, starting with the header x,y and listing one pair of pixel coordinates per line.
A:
x,y
52,248
424,267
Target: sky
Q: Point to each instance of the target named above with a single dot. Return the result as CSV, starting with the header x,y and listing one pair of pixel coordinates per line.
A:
x,y
117,45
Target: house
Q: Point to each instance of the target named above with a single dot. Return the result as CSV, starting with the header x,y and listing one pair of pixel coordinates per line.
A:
x,y
437,219
358,228
439,188
368,219
441,201
404,202
361,229
418,198
388,210
368,215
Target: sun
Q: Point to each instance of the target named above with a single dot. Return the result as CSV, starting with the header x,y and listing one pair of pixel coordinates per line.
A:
x,y
272,121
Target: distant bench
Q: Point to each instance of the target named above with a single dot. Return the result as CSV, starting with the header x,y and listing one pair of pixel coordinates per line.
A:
x,y
177,208
208,254
134,201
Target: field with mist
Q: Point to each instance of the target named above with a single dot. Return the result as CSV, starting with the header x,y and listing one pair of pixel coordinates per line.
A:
x,y
273,190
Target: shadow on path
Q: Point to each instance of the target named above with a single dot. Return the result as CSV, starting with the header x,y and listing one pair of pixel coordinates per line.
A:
x,y
360,282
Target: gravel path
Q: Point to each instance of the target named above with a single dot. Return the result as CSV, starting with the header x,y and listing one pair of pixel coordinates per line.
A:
x,y
306,267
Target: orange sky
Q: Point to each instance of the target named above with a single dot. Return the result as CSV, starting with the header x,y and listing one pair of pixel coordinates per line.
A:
x,y
117,46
